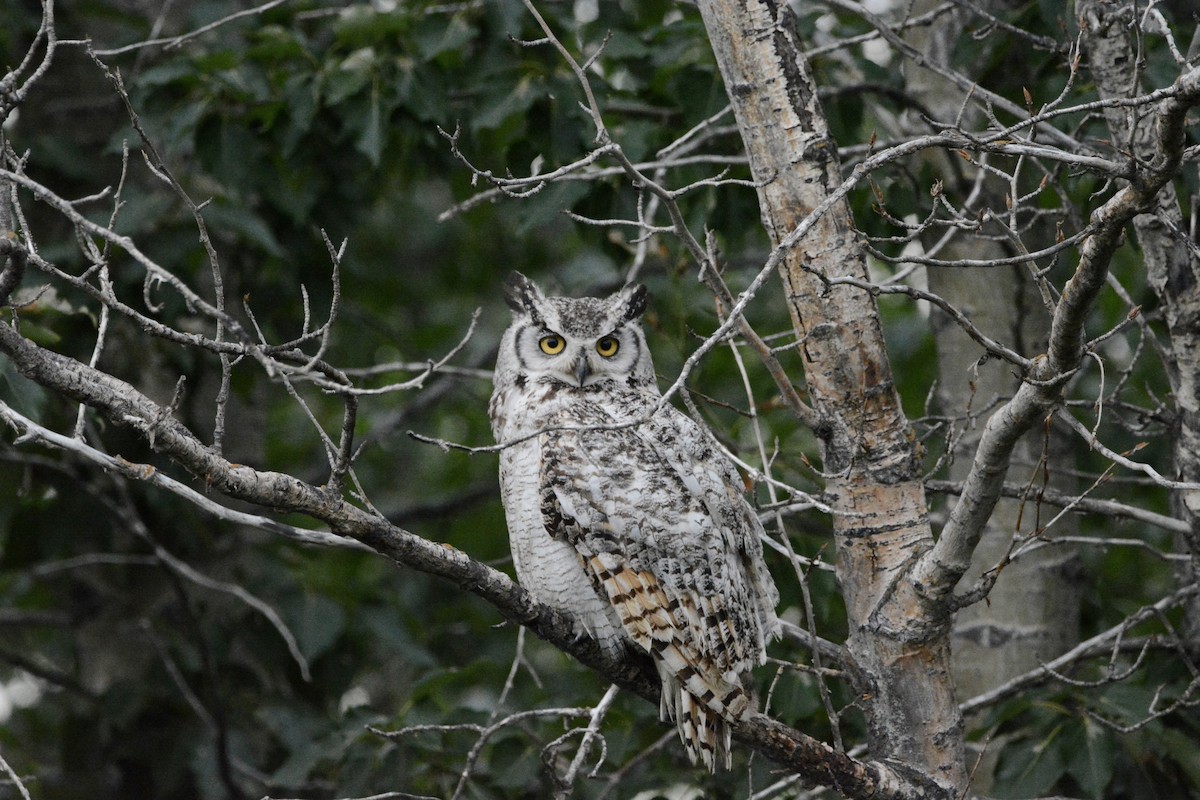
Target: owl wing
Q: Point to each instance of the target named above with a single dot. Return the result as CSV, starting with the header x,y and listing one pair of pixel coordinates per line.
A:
x,y
663,533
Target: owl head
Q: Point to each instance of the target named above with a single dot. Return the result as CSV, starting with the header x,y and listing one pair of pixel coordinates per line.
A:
x,y
577,341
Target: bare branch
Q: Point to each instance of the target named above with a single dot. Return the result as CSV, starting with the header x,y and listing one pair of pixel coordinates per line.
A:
x,y
26,74
1117,458
1098,644
590,734
176,41
17,258
32,431
940,568
16,780
1082,505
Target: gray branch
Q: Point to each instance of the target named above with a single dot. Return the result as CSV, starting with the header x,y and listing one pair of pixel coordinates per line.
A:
x,y
940,568
125,405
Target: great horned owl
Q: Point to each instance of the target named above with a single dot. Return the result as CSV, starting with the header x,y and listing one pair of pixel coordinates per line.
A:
x,y
623,513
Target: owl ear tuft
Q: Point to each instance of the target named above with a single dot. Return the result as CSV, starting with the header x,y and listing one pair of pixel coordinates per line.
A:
x,y
635,299
522,295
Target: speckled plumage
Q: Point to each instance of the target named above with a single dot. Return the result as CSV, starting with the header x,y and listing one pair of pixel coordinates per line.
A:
x,y
639,529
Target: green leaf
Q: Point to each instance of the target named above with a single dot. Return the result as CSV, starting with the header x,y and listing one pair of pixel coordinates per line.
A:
x,y
1029,767
176,70
549,204
361,25
1126,702
350,76
221,216
317,622
1183,750
18,391
301,93
796,699
494,109
1091,758
434,36
299,765
273,43
370,141
44,300
623,46
388,630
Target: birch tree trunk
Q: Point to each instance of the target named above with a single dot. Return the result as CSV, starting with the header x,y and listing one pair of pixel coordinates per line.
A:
x,y
899,638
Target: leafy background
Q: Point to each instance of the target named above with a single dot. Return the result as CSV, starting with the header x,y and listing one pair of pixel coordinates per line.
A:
x,y
312,117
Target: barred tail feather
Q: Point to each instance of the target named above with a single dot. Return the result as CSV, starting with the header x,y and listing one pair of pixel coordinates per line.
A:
x,y
700,661
705,733
700,713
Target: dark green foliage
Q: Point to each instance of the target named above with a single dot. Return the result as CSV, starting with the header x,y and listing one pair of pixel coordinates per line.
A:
x,y
311,118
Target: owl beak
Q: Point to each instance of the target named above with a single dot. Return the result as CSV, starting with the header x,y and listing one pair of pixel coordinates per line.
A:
x,y
582,369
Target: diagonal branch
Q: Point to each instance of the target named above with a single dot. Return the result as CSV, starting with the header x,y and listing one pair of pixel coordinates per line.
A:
x,y
1098,644
940,568
123,404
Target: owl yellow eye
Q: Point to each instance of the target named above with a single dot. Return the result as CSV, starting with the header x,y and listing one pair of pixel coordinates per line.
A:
x,y
552,344
608,346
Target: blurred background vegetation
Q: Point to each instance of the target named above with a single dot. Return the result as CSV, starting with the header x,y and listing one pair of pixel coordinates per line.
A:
x,y
311,117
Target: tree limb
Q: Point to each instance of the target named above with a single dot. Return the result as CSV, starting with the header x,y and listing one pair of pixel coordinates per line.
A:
x,y
123,404
940,569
